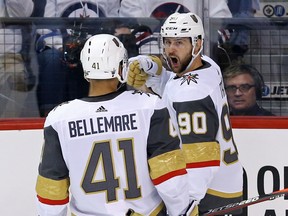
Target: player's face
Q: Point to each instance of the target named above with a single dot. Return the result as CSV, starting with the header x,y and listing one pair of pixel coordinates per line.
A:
x,y
241,92
178,52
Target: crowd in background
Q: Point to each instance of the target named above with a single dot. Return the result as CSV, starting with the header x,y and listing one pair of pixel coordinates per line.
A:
x,y
45,63
48,62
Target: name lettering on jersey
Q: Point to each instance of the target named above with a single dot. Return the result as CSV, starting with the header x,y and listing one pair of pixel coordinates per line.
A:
x,y
119,123
188,78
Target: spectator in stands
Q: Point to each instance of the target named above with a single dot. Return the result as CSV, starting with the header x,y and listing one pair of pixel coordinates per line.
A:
x,y
163,8
124,31
243,8
244,85
14,78
234,40
60,74
160,9
39,8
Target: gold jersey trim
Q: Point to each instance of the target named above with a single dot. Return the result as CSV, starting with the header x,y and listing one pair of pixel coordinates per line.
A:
x,y
52,189
166,163
200,152
223,194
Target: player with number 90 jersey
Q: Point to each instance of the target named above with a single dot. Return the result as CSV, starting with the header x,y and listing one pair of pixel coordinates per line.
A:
x,y
114,153
199,112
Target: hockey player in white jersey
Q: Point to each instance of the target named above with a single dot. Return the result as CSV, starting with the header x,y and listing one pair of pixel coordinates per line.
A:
x,y
195,97
111,151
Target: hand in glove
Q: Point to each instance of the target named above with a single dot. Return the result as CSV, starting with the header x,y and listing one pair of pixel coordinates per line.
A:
x,y
140,67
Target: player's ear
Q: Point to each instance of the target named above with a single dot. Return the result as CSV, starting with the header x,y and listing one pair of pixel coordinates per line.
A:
x,y
198,44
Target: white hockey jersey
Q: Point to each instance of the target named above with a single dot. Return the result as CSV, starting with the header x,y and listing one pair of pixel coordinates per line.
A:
x,y
75,8
111,151
11,38
161,9
199,111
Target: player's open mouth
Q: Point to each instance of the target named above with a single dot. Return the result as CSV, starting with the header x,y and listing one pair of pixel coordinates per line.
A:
x,y
174,61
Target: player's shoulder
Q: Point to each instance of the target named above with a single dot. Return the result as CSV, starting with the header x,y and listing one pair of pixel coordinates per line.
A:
x,y
210,61
63,109
141,95
141,99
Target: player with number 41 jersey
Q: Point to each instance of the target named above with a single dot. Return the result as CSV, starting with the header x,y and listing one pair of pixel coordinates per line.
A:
x,y
110,153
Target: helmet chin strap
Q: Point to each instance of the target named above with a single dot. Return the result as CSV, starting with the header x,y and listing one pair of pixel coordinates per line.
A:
x,y
194,55
123,76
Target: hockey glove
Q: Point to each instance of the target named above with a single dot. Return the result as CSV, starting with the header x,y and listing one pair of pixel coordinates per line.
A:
x,y
142,66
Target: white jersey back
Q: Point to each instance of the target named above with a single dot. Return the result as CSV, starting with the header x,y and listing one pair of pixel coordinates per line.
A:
x,y
100,144
78,132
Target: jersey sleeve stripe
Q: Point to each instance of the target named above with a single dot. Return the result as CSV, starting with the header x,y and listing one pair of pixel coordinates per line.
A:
x,y
224,195
203,164
168,176
52,191
202,153
167,165
53,202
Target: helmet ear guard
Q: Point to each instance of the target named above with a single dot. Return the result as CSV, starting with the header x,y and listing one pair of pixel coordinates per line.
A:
x,y
123,70
102,57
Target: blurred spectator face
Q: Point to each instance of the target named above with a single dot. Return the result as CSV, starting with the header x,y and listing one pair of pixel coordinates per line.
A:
x,y
122,30
240,91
